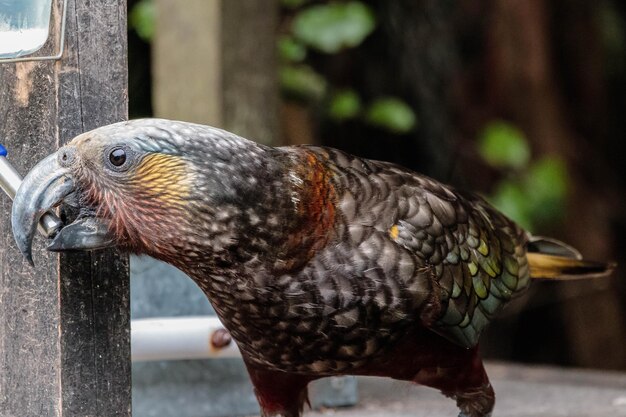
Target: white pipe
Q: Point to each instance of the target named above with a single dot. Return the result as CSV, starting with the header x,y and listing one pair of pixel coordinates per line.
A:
x,y
177,338
10,181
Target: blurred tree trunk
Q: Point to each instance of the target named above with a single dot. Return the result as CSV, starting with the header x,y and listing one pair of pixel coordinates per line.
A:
x,y
412,56
214,63
529,41
424,55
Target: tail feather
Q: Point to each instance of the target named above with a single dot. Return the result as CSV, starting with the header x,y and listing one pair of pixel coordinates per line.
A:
x,y
550,246
561,268
551,259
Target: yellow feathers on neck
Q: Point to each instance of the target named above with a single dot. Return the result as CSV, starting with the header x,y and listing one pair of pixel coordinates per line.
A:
x,y
163,177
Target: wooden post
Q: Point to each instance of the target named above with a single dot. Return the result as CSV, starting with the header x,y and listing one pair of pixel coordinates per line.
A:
x,y
64,325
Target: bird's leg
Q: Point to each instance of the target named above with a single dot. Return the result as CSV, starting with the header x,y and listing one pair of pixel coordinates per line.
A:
x,y
279,394
463,379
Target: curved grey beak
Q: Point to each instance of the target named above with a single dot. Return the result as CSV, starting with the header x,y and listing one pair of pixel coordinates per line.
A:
x,y
45,187
86,233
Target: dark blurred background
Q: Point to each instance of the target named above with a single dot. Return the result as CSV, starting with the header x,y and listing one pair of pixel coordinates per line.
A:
x,y
522,101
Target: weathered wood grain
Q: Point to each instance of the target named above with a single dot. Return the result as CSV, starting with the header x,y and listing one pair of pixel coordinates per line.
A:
x,y
64,326
29,308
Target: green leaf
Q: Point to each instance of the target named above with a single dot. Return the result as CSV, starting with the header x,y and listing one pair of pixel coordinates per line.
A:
x,y
291,50
547,185
503,145
392,114
334,26
548,177
142,19
302,82
344,105
511,199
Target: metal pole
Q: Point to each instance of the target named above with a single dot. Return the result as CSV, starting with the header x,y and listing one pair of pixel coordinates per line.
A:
x,y
180,338
10,181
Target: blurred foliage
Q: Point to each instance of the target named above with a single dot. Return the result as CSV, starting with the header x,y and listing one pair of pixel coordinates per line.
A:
x,y
302,82
335,26
331,28
502,145
142,19
344,105
291,50
547,185
533,192
392,114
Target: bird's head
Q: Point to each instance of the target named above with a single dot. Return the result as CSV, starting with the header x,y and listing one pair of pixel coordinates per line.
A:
x,y
151,186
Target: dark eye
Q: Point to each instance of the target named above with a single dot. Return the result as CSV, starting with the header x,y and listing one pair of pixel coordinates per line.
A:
x,y
117,157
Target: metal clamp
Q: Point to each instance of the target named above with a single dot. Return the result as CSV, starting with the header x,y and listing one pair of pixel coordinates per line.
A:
x,y
49,57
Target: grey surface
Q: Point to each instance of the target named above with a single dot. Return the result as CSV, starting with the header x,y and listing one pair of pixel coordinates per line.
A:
x,y
160,290
520,392
192,388
181,388
205,388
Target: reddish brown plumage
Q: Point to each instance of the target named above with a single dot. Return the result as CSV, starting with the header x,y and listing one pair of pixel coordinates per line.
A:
x,y
314,196
317,197
428,359
278,392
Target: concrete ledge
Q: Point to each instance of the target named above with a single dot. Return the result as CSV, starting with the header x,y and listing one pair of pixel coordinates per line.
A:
x,y
521,391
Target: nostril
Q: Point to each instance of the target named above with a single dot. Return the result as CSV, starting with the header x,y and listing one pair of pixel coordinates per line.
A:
x,y
66,156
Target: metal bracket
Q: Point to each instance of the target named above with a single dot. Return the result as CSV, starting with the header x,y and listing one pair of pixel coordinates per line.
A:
x,y
49,57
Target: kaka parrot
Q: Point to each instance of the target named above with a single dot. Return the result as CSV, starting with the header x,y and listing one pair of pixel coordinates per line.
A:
x,y
318,262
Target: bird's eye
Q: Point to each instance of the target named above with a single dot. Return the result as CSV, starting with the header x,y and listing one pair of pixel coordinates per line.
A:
x,y
117,157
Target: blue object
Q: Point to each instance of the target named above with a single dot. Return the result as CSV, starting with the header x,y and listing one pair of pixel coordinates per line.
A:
x,y
3,150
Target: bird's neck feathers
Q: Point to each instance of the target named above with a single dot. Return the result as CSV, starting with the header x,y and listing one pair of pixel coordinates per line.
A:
x,y
269,210
272,218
